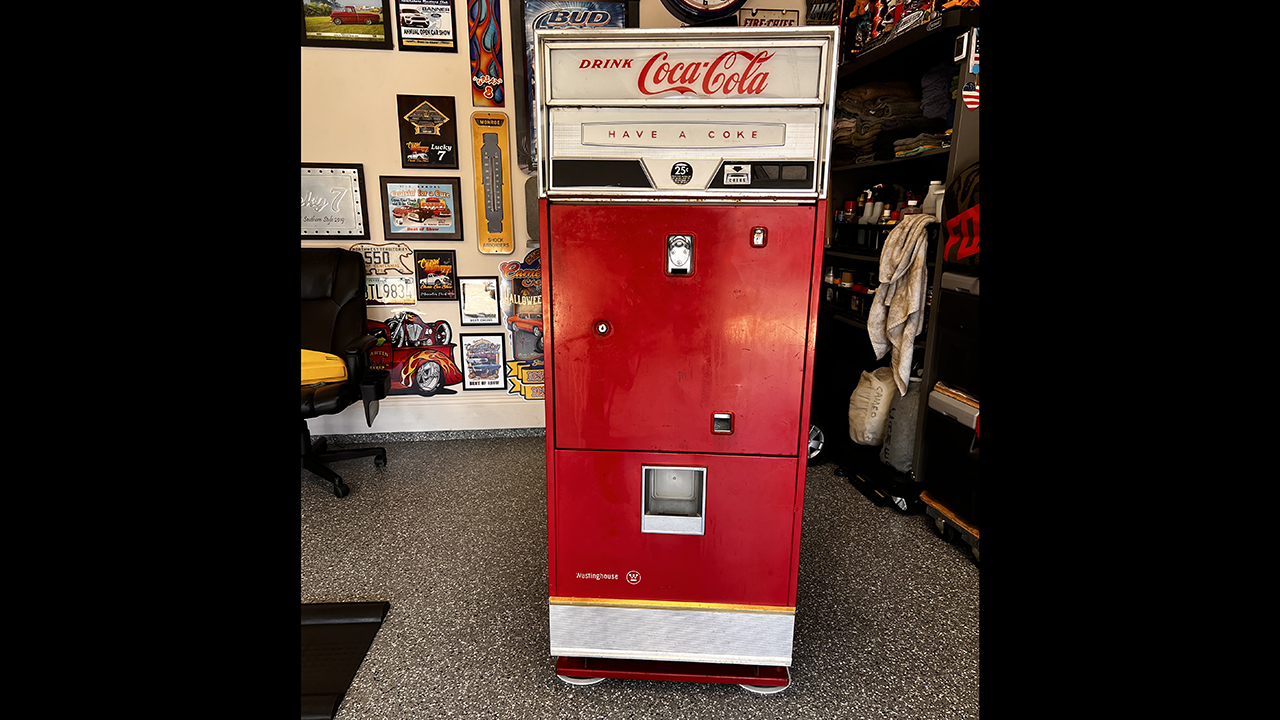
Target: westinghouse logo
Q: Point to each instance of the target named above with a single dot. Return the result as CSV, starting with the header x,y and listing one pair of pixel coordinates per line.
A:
x,y
597,576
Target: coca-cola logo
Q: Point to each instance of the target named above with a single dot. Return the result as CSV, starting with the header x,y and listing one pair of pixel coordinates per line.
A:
x,y
735,72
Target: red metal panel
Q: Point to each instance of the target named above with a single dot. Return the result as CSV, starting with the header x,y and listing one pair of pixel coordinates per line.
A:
x,y
549,407
731,337
743,558
805,407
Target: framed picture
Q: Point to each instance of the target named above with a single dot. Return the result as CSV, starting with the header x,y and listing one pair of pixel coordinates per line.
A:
x,y
427,25
333,202
421,208
428,132
483,366
347,26
478,298
485,43
437,274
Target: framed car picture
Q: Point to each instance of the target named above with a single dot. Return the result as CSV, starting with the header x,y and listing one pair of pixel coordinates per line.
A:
x,y
365,25
437,274
483,365
333,202
421,208
478,298
427,25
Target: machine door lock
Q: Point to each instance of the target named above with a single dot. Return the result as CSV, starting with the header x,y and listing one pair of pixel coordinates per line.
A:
x,y
759,237
602,328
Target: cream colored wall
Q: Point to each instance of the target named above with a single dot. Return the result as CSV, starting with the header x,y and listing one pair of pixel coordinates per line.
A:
x,y
349,116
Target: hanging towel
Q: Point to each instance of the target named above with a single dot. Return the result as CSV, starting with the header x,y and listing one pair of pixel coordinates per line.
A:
x,y
897,309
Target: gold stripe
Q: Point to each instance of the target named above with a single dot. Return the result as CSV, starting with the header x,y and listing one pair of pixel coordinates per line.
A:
x,y
670,605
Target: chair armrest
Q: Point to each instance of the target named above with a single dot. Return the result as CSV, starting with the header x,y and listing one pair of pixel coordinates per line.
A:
x,y
374,384
356,355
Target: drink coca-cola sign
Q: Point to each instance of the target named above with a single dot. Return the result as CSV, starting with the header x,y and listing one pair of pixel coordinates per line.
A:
x,y
735,72
786,72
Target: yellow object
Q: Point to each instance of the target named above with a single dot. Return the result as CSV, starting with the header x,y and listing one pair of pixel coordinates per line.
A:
x,y
493,190
318,367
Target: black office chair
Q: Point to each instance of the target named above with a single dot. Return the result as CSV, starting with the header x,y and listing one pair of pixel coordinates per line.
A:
x,y
333,322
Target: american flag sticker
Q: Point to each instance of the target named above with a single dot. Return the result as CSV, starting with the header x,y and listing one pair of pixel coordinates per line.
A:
x,y
970,95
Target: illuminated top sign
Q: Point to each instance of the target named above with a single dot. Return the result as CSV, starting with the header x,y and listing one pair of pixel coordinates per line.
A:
x,y
784,72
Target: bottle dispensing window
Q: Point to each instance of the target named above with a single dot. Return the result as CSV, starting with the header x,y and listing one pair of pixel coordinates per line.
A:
x,y
674,500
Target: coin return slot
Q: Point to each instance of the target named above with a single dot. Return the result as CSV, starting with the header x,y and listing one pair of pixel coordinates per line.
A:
x,y
722,423
674,500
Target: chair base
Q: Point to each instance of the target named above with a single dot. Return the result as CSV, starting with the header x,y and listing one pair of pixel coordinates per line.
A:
x,y
316,458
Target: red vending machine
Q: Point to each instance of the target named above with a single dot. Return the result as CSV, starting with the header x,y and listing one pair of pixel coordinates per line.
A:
x,y
682,212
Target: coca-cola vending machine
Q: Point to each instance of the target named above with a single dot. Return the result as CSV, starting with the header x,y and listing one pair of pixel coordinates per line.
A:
x,y
682,192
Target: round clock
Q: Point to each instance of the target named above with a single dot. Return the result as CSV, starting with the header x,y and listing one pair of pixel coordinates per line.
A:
x,y
699,11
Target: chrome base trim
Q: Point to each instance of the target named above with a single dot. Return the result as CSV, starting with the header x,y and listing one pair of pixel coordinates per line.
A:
x,y
711,636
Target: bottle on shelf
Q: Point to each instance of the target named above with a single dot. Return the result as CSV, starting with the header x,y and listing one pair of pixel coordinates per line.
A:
x,y
874,213
872,206
931,197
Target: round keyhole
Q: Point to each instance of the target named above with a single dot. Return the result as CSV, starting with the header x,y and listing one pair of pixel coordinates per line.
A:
x,y
602,328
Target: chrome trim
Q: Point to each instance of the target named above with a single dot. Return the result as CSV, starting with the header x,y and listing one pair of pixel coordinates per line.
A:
x,y
712,636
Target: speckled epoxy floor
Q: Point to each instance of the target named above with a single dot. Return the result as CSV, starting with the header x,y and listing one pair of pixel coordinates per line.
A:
x,y
453,534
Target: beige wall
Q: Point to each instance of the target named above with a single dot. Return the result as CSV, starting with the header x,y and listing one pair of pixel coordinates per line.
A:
x,y
349,116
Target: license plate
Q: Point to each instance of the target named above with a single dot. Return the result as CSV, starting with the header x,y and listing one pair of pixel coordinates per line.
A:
x,y
389,290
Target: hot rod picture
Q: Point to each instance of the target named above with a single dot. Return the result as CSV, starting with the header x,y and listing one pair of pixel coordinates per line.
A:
x,y
418,354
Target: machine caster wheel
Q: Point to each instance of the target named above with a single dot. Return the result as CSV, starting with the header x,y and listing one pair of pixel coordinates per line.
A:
x,y
817,440
945,531
767,689
764,689
580,681
341,490
380,460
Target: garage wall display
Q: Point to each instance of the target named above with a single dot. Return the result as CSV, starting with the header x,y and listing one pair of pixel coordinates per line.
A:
x,y
553,15
437,273
478,300
484,31
389,290
347,26
493,192
521,306
421,208
482,362
428,132
417,353
756,17
427,25
333,201
385,258
389,273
